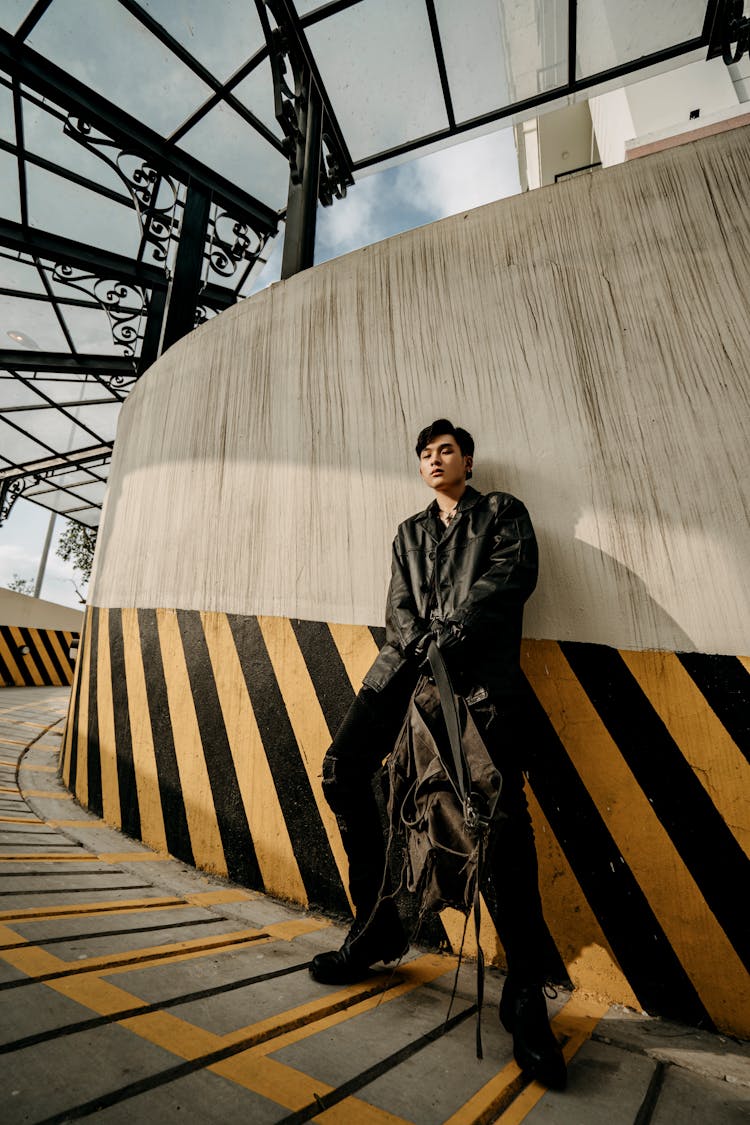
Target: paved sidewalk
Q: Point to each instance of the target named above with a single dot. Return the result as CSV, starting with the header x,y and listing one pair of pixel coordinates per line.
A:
x,y
137,989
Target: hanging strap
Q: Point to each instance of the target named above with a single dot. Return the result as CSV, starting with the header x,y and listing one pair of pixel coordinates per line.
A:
x,y
459,775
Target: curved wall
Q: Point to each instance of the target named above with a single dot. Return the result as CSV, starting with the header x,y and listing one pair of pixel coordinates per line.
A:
x,y
593,337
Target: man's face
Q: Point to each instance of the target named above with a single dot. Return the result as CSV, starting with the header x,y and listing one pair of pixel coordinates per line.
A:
x,y
442,465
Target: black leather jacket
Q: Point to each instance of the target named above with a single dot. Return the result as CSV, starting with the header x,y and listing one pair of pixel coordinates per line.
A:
x,y
468,583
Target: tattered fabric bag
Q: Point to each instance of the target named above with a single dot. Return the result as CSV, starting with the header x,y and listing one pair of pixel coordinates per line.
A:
x,y
444,793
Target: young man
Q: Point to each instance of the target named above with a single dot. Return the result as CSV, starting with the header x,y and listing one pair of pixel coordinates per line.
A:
x,y
461,573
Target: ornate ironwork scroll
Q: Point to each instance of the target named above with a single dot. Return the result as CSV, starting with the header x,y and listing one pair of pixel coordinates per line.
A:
x,y
231,242
10,491
730,36
123,302
291,88
157,216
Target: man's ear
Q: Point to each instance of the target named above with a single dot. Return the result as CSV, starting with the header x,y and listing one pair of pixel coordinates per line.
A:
x,y
469,462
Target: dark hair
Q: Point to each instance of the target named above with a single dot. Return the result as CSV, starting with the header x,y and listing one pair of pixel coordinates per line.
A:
x,y
464,440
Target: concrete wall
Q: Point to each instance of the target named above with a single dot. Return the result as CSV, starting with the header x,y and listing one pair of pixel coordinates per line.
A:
x,y
594,338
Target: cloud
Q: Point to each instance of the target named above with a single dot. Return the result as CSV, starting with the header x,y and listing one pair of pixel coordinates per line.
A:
x,y
466,175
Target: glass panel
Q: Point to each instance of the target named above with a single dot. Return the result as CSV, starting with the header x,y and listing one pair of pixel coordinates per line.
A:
x,y
611,33
91,332
13,13
10,206
54,429
15,393
104,46
44,136
503,52
20,275
70,388
7,120
101,419
34,320
378,64
256,93
18,449
222,34
58,206
225,142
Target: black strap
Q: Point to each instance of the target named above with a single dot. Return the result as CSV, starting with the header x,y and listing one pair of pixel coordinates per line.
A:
x,y
459,775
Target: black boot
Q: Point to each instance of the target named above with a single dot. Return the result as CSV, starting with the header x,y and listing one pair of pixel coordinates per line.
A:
x,y
382,938
523,1013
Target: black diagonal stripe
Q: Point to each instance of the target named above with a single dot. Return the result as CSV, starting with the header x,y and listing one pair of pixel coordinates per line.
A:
x,y
231,818
94,748
332,685
65,645
5,672
620,906
126,783
12,644
75,711
34,654
309,841
45,641
725,683
694,824
168,774
378,634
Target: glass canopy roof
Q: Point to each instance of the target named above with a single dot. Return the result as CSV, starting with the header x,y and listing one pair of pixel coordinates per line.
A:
x,y
113,112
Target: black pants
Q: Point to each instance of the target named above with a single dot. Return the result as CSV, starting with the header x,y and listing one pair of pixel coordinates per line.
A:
x,y
364,739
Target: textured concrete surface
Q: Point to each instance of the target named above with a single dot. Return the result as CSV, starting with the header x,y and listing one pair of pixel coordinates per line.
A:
x,y
135,988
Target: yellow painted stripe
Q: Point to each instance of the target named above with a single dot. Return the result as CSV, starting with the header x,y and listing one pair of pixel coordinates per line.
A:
x,y
53,675
273,846
61,857
308,723
92,822
87,909
357,649
28,658
53,794
191,764
718,762
153,832
10,662
745,662
106,719
20,820
61,655
81,750
590,962
39,769
693,932
71,712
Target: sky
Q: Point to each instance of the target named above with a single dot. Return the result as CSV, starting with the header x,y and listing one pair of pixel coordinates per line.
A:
x,y
378,206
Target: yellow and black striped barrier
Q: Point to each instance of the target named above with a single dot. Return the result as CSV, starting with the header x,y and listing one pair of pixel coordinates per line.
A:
x,y
36,657
203,734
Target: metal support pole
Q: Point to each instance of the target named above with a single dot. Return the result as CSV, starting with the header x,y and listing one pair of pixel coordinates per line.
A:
x,y
185,286
302,203
150,348
45,553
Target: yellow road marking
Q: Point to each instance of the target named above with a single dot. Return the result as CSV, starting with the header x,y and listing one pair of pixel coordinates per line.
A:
x,y
87,909
20,820
40,769
53,794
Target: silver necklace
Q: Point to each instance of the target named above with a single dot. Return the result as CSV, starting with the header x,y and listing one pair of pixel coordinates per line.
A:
x,y
446,517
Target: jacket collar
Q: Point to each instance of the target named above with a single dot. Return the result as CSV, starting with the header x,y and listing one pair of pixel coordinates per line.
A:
x,y
429,516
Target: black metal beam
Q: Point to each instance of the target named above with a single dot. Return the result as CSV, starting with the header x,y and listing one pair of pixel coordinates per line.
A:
x,y
55,248
440,59
572,41
302,204
182,298
21,359
50,80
